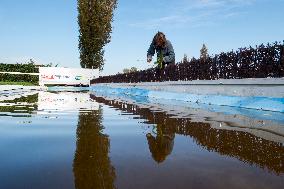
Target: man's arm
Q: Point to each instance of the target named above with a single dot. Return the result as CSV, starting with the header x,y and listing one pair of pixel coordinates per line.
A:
x,y
171,53
151,50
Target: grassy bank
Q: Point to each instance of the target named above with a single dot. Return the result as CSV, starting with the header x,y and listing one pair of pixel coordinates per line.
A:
x,y
18,83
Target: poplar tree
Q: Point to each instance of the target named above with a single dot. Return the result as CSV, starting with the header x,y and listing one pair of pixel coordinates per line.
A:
x,y
185,58
94,19
204,53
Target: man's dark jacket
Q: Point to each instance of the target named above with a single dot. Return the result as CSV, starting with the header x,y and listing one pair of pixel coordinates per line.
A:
x,y
167,51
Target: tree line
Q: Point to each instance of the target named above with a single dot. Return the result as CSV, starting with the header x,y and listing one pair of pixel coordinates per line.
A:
x,y
259,62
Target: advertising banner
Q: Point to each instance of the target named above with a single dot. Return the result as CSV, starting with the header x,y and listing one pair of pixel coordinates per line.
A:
x,y
66,76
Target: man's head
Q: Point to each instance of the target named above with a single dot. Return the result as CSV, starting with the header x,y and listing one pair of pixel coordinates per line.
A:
x,y
160,39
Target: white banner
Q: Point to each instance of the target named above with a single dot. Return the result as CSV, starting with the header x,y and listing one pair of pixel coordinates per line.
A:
x,y
66,76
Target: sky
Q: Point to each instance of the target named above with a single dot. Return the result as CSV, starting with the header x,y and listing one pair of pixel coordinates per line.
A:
x,y
47,30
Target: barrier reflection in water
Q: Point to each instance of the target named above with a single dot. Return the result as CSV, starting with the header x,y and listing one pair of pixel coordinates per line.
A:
x,y
239,144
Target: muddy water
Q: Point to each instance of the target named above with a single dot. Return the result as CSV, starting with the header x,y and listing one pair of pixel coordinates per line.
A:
x,y
80,140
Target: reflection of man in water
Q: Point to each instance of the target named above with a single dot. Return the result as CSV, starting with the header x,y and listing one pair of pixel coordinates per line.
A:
x,y
161,145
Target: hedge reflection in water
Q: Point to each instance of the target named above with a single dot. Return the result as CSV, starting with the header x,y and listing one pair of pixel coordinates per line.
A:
x,y
241,145
31,100
92,167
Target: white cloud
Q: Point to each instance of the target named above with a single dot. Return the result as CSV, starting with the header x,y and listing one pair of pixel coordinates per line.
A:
x,y
195,13
167,20
200,4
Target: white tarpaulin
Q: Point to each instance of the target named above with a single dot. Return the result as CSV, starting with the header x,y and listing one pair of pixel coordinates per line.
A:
x,y
66,76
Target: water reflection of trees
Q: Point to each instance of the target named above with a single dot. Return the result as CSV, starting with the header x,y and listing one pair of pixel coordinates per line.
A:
x,y
239,144
92,166
18,104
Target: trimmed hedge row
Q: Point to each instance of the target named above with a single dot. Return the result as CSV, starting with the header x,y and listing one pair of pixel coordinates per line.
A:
x,y
19,78
260,62
24,68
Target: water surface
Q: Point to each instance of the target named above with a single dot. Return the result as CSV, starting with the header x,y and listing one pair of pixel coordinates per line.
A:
x,y
81,140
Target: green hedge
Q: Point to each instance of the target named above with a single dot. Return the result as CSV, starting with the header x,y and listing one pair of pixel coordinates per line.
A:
x,y
24,68
19,78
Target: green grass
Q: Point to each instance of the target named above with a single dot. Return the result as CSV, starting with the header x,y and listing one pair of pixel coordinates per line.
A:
x,y
18,83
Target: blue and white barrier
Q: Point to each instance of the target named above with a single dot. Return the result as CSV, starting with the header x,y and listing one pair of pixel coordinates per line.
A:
x,y
251,102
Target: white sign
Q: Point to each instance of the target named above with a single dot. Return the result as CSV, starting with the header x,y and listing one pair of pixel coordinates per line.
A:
x,y
66,76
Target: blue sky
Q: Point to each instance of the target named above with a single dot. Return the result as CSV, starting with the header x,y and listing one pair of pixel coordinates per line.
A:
x,y
47,31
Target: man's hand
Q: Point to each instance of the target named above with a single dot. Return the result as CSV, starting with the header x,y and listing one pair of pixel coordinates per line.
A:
x,y
149,58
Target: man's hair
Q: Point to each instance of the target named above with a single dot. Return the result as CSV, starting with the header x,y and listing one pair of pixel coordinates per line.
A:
x,y
159,38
